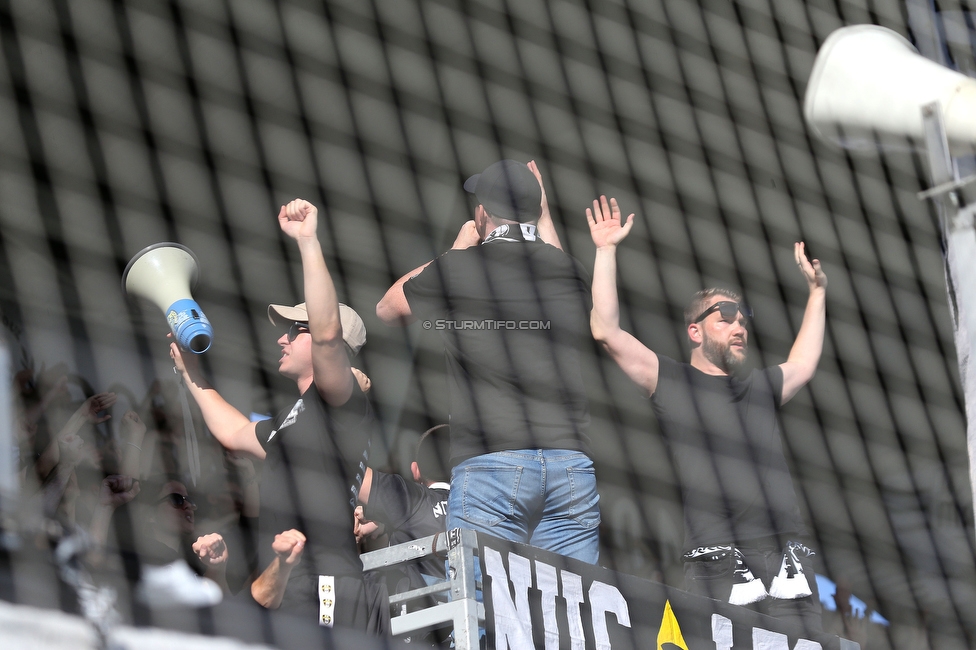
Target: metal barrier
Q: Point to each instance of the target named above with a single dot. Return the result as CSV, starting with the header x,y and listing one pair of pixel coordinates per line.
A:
x,y
625,610
462,609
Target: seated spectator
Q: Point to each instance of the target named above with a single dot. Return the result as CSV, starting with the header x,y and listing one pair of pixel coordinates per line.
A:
x,y
409,509
406,510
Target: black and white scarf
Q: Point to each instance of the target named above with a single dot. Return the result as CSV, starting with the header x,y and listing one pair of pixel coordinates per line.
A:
x,y
525,232
790,583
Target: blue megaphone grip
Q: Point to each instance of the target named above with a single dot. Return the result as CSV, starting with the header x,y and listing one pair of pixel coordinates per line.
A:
x,y
190,325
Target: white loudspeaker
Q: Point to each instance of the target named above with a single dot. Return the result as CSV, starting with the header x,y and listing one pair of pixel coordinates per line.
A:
x,y
869,84
164,274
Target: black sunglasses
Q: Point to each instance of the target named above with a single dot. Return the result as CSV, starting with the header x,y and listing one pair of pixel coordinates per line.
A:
x,y
177,500
727,310
296,329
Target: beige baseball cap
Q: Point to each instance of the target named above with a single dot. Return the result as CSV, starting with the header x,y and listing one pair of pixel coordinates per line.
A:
x,y
353,327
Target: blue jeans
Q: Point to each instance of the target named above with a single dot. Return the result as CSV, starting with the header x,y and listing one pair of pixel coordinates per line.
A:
x,y
543,497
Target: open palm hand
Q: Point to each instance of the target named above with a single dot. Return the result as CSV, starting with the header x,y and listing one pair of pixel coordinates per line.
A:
x,y
606,227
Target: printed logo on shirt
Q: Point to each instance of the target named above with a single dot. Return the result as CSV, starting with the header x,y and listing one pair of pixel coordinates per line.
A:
x,y
440,509
292,417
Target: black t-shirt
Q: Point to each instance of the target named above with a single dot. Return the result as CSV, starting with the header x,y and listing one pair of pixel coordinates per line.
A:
x,y
513,316
409,511
724,438
316,458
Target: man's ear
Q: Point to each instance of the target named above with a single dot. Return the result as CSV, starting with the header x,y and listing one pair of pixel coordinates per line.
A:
x,y
695,333
481,220
415,472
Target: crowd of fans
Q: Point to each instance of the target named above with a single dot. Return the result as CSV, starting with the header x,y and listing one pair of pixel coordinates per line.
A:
x,y
106,466
165,521
107,495
110,468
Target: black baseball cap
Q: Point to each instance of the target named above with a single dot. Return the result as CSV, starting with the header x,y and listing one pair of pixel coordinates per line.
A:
x,y
509,190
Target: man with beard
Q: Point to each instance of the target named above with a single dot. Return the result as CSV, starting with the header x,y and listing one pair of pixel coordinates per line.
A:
x,y
743,528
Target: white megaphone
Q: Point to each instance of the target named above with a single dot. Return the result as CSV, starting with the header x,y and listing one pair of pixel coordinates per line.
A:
x,y
164,274
868,87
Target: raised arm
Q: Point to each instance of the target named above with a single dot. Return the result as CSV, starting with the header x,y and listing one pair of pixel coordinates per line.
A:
x,y
87,412
230,427
269,588
801,365
213,554
636,360
330,362
116,491
132,432
547,230
394,309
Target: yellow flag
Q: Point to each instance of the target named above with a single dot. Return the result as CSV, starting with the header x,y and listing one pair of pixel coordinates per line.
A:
x,y
670,631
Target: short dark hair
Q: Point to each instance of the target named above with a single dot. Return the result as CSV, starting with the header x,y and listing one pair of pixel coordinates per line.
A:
x,y
697,304
503,220
433,454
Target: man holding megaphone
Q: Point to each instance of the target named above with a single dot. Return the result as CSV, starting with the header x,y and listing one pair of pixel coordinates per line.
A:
x,y
315,452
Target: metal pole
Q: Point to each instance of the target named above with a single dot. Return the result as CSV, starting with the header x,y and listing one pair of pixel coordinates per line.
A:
x,y
8,440
956,218
460,559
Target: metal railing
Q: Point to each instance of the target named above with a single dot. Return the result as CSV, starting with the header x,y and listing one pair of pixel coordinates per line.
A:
x,y
461,608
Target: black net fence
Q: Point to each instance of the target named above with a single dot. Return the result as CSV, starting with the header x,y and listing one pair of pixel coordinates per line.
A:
x,y
128,123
